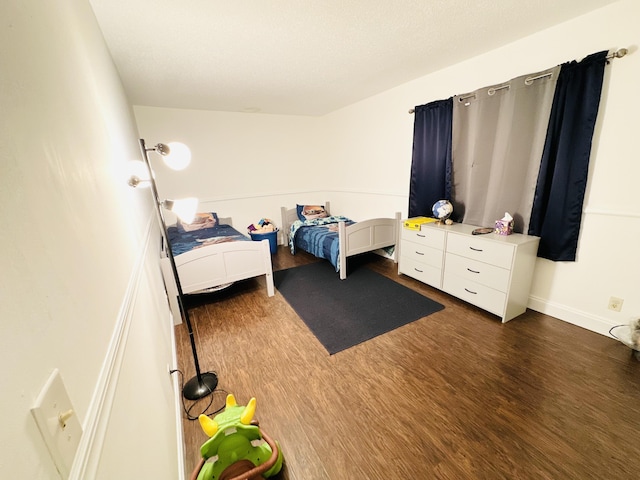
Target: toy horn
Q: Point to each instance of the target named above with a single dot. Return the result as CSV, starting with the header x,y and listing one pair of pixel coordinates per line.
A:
x,y
248,412
209,426
231,401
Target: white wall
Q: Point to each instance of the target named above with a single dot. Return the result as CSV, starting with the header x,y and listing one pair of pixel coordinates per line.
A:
x,y
380,128
243,165
80,288
359,157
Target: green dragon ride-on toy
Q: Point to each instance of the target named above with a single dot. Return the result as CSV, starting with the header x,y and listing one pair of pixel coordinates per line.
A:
x,y
237,449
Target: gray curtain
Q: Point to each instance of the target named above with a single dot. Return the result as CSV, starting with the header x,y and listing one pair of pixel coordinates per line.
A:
x,y
498,137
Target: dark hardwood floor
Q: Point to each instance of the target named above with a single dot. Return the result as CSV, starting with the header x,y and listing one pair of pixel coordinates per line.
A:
x,y
455,395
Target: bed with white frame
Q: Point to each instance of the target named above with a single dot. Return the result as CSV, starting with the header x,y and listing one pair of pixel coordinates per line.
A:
x,y
216,266
356,238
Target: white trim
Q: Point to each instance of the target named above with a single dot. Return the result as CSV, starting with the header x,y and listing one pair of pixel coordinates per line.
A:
x,y
98,414
253,196
371,192
177,394
610,213
571,315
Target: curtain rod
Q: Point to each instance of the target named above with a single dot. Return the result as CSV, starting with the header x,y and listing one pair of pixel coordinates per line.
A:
x,y
617,54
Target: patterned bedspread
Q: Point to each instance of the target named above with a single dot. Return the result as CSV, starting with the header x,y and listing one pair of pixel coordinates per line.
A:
x,y
182,241
319,237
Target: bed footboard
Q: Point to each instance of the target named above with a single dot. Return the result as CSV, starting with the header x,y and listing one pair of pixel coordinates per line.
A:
x,y
366,236
223,263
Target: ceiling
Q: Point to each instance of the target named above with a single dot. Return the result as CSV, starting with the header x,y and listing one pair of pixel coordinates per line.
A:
x,y
299,57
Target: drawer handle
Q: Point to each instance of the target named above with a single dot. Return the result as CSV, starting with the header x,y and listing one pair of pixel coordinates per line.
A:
x,y
420,235
472,293
472,271
417,270
476,249
419,253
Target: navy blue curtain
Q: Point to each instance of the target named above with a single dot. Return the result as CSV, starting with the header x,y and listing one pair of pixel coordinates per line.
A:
x,y
431,161
557,207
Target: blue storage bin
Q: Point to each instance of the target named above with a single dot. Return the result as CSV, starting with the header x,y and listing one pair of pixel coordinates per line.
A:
x,y
271,236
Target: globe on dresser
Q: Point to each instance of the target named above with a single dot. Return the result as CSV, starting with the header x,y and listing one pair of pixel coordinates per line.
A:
x,y
442,210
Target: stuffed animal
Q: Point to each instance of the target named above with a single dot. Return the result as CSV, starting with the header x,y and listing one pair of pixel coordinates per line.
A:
x,y
263,226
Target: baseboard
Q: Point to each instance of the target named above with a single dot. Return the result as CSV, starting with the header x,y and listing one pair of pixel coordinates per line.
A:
x,y
571,315
177,396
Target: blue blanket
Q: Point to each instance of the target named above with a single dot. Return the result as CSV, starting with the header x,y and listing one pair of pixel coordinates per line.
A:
x,y
181,241
319,237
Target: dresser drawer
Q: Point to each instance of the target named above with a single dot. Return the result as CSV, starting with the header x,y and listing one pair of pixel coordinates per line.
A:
x,y
429,237
429,274
421,253
479,272
480,295
487,251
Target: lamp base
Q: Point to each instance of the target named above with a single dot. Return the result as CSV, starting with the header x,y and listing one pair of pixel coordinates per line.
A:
x,y
194,389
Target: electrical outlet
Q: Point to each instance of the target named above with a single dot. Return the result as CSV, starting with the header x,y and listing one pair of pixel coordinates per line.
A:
x,y
615,304
58,423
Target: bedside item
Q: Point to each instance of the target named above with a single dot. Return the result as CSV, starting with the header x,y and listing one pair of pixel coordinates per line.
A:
x,y
271,235
504,226
415,222
482,231
265,229
442,210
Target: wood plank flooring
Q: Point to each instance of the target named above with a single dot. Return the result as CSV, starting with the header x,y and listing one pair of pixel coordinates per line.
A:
x,y
455,395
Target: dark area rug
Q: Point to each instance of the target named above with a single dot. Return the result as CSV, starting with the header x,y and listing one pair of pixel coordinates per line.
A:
x,y
344,313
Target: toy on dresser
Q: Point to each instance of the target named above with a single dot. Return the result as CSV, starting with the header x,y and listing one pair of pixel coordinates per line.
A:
x,y
442,210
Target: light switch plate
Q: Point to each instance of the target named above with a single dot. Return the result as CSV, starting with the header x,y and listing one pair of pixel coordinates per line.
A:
x,y
58,423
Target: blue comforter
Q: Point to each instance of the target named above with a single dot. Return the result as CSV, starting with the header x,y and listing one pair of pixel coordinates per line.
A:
x,y
181,241
319,237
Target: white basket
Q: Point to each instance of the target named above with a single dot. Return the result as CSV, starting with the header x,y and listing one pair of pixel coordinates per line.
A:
x,y
622,333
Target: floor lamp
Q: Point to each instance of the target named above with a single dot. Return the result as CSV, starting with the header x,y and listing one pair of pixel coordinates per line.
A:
x,y
177,156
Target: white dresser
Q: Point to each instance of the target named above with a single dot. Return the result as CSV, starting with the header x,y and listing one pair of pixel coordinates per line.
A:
x,y
490,271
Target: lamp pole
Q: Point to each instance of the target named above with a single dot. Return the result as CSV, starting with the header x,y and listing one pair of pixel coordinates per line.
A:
x,y
202,384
